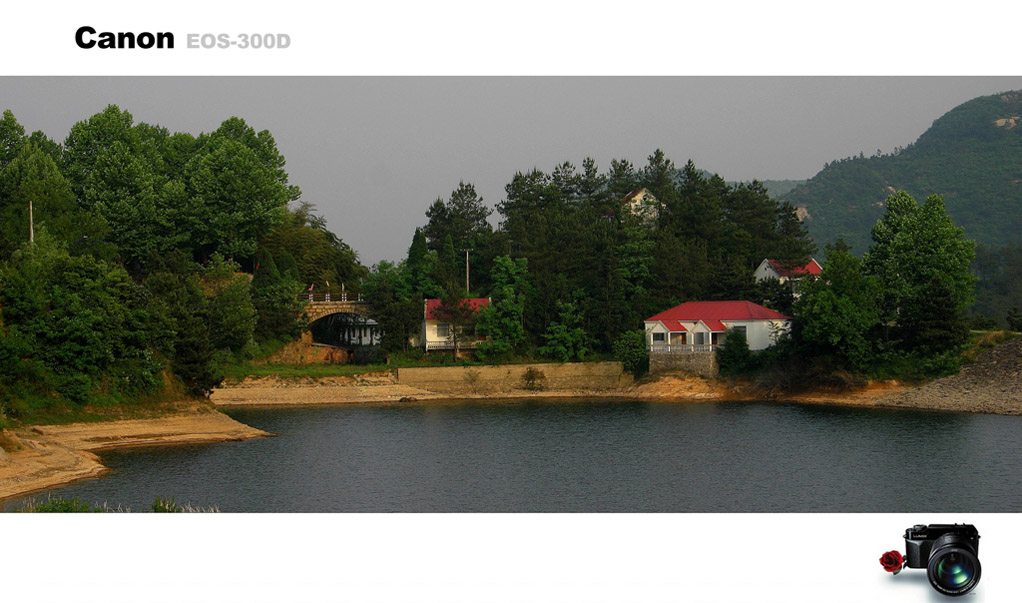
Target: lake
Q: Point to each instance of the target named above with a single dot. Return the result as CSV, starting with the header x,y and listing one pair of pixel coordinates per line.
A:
x,y
582,456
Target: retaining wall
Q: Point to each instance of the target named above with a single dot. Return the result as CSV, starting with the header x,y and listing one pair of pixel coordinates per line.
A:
x,y
703,364
593,376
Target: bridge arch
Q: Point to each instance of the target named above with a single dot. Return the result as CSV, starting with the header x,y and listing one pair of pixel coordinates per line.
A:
x,y
316,310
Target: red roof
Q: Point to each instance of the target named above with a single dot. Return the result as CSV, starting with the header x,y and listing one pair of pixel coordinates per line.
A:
x,y
475,303
674,326
712,312
714,325
812,267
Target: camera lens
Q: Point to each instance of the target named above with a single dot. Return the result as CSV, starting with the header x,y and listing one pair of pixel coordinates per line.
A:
x,y
953,568
954,571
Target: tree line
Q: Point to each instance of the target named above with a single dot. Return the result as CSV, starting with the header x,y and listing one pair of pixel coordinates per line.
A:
x,y
157,256
571,268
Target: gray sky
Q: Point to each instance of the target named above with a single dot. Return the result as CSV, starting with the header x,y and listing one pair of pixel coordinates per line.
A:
x,y
373,153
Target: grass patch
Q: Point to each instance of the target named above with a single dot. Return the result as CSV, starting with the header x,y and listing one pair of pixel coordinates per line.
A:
x,y
10,443
984,340
77,505
238,372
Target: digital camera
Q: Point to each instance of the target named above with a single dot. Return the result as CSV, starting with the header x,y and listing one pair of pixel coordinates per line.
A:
x,y
949,552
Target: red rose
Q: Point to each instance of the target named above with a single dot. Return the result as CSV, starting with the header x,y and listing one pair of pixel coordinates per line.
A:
x,y
892,561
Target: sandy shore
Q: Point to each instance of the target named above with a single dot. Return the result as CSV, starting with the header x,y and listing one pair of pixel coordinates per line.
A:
x,y
53,455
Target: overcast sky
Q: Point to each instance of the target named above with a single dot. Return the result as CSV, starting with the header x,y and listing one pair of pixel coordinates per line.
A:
x,y
373,153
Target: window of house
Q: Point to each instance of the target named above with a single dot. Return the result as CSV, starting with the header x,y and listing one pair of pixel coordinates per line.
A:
x,y
659,337
742,330
443,330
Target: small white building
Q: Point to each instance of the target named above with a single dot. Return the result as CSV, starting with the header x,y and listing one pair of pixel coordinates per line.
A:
x,y
436,333
643,204
699,326
774,269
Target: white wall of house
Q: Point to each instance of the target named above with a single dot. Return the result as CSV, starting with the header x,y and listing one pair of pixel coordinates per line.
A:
x,y
760,334
431,334
765,271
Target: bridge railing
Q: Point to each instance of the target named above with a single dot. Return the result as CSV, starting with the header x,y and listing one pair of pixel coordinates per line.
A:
x,y
337,296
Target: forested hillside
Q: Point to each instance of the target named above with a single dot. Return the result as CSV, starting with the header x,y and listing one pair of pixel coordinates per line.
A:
x,y
972,156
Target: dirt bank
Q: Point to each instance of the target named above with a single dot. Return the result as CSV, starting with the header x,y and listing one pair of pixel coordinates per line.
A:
x,y
52,455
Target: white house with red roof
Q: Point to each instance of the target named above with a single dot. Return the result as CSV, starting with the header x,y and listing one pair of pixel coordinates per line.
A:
x,y
781,271
698,326
436,333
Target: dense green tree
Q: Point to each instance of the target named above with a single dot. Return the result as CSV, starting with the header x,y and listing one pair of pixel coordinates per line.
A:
x,y
566,340
999,284
630,349
234,199
1015,319
83,324
180,301
92,138
837,313
395,307
922,261
734,357
276,300
319,255
12,136
232,315
458,314
462,217
503,320
139,206
33,178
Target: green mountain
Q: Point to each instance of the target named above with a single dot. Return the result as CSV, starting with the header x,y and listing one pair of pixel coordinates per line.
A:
x,y
972,156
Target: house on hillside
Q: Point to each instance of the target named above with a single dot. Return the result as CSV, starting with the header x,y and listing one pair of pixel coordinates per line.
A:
x,y
700,326
775,269
438,333
642,203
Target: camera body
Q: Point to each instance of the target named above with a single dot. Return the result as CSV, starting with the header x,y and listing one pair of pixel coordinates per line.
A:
x,y
948,552
919,540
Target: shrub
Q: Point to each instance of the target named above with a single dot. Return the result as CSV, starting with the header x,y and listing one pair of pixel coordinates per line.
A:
x,y
532,379
630,349
734,357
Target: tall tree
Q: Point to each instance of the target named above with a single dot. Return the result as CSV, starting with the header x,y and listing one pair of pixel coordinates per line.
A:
x,y
837,313
33,178
503,321
12,135
234,198
462,217
922,261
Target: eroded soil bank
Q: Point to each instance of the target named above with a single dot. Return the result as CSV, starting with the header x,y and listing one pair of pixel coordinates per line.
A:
x,y
52,455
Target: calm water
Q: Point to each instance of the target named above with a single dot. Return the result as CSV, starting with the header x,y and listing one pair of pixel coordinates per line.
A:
x,y
594,456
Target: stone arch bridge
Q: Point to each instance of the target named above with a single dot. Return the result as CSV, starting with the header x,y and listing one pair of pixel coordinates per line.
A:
x,y
321,309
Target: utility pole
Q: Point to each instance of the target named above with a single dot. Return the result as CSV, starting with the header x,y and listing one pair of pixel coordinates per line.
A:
x,y
31,224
